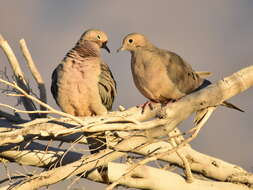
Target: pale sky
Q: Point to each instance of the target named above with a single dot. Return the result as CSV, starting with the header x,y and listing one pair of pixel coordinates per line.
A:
x,y
213,36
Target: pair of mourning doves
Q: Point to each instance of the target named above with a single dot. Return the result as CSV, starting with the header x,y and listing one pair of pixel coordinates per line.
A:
x,y
82,84
161,75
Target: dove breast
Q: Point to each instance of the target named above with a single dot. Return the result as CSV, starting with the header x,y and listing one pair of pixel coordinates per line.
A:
x,y
150,74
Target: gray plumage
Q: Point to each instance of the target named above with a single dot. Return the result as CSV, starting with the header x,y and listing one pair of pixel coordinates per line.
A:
x,y
161,75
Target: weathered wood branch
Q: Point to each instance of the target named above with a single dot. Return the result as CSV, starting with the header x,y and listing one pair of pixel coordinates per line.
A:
x,y
213,95
193,102
145,176
208,166
128,131
35,73
39,155
218,92
19,76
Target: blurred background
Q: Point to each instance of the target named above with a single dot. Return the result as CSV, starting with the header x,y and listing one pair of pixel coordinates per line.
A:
x,y
213,36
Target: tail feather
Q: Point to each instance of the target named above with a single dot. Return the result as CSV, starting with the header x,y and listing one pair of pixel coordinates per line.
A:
x,y
204,74
229,105
200,114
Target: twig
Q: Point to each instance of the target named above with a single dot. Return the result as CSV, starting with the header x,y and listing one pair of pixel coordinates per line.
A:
x,y
57,174
188,173
19,76
197,129
10,117
35,73
7,171
157,156
23,111
52,110
186,164
12,59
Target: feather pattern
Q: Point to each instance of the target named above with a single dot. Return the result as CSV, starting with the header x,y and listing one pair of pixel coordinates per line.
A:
x,y
107,86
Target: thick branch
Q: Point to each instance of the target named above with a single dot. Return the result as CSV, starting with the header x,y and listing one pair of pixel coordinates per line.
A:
x,y
218,92
55,175
146,177
206,165
210,96
213,95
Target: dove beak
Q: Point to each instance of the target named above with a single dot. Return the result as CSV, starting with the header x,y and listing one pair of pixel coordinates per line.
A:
x,y
120,49
105,47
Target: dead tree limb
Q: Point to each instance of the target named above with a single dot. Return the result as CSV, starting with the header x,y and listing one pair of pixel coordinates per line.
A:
x,y
35,73
19,76
149,134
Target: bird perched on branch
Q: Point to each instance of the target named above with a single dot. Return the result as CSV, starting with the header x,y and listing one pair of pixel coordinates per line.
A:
x,y
161,75
82,84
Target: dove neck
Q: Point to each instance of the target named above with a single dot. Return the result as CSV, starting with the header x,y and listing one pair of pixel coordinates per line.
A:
x,y
148,47
87,49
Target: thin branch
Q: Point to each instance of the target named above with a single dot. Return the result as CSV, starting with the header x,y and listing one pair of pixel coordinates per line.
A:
x,y
188,173
186,164
208,166
12,59
42,103
185,106
42,156
159,155
28,104
35,73
57,174
23,111
239,82
13,118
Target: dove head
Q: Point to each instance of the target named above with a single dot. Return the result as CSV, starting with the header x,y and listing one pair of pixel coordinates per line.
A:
x,y
134,41
96,36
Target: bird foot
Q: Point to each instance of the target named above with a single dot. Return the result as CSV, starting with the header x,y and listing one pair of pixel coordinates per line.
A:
x,y
143,106
169,102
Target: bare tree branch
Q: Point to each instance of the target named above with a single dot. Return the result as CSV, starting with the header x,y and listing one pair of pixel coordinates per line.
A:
x,y
151,135
145,176
10,117
28,104
35,73
36,154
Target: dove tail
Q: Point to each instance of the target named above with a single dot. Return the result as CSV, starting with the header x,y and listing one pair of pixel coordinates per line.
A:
x,y
229,105
204,84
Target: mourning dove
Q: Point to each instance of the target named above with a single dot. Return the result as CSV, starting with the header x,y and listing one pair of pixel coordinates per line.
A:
x,y
82,84
161,75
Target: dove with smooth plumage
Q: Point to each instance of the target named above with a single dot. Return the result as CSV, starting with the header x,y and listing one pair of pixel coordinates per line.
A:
x,y
82,84
161,75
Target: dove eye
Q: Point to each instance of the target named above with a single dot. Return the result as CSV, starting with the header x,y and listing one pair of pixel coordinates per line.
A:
x,y
98,36
130,41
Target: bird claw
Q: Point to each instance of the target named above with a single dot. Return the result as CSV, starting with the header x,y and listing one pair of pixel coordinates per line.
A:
x,y
169,102
143,106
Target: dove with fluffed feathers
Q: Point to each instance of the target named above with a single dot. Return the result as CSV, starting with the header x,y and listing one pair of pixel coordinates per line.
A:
x,y
161,75
82,84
